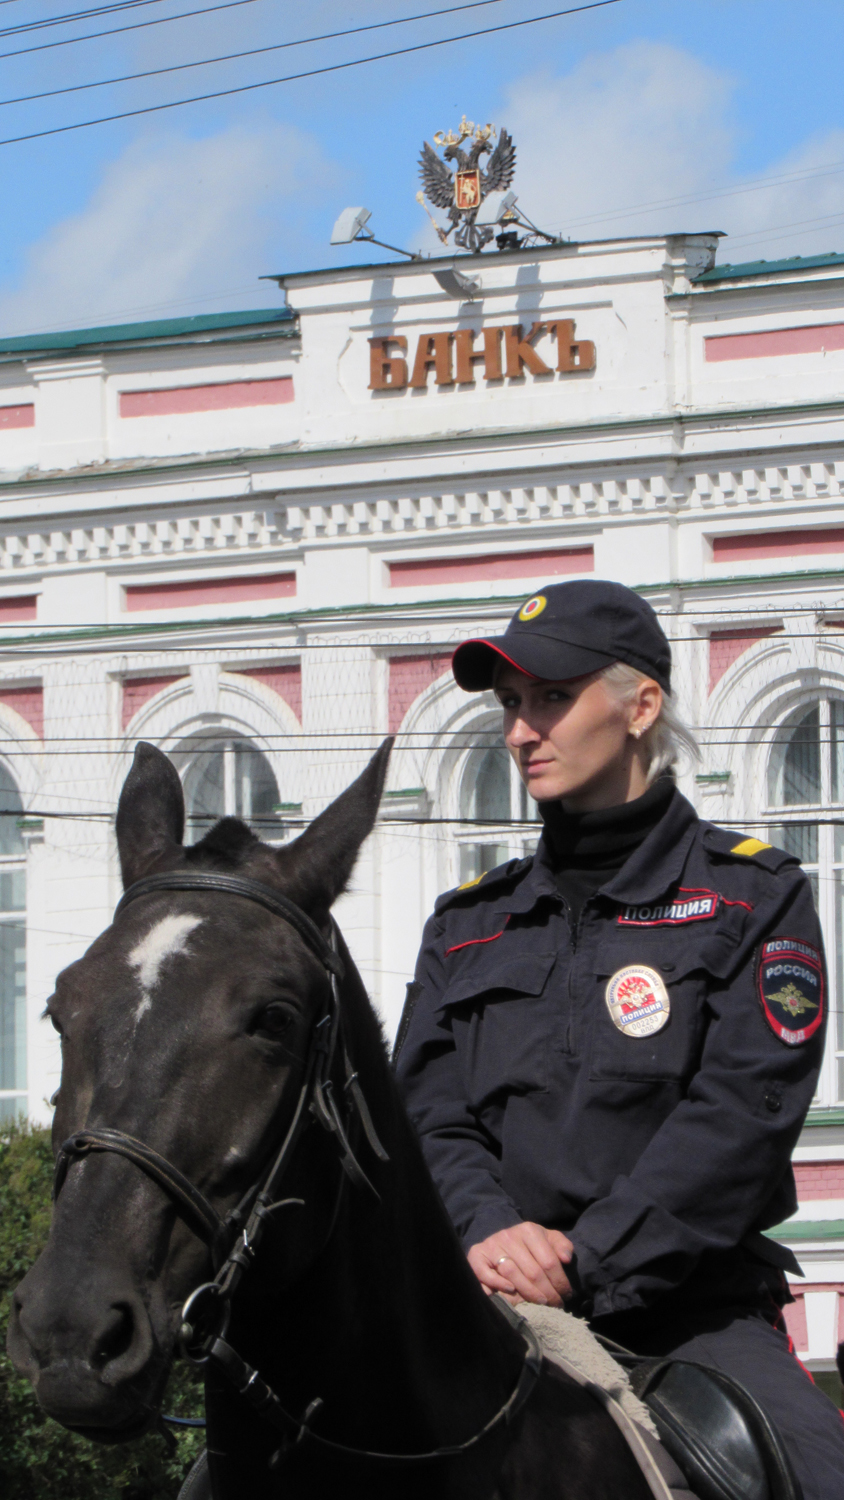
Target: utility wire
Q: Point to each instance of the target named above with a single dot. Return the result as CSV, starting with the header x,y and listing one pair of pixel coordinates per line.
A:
x,y
266,83
92,36
76,15
204,62
305,41
775,180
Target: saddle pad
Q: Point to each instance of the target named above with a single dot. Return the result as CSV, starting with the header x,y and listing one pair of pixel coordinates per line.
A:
x,y
568,1343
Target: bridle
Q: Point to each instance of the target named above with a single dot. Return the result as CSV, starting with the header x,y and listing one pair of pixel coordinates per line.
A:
x,y
207,1311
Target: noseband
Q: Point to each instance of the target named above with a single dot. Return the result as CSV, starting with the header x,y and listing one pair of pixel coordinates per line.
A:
x,y
206,1313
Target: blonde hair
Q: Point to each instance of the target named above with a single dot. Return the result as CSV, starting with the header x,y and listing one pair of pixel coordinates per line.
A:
x,y
668,739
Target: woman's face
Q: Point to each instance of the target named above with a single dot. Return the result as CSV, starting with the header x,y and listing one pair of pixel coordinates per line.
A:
x,y
573,741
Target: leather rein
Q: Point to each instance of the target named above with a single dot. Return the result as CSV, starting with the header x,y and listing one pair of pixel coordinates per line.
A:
x,y
207,1311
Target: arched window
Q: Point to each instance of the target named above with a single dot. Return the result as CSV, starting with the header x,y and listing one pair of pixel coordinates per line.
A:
x,y
12,951
229,778
493,802
806,791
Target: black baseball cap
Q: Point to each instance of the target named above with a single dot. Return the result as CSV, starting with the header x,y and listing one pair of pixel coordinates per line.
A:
x,y
568,630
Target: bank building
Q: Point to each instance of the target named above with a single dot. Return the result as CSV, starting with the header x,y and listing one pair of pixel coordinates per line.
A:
x,y
255,538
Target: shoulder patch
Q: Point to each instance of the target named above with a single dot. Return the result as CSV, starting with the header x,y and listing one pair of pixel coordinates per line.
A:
x,y
728,844
489,878
791,989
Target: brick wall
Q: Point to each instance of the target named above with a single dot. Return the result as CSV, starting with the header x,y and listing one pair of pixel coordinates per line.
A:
x,y
409,676
29,703
725,646
285,680
819,1179
138,690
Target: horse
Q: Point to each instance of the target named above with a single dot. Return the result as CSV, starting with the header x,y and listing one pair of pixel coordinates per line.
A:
x,y
227,1118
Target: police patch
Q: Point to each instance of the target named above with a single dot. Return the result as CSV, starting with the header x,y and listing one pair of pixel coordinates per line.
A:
x,y
688,906
637,1001
791,989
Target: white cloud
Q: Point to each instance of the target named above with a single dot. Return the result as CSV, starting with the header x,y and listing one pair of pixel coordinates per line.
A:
x,y
648,123
176,226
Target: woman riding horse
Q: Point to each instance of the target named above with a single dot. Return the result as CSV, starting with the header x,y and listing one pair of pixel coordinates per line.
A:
x,y
609,1049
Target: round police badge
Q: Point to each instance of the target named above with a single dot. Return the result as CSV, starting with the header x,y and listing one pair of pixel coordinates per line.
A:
x,y
533,608
638,1001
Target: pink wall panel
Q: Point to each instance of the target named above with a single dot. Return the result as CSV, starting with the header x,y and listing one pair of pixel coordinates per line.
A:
x,y
210,591
138,690
482,569
809,340
18,607
17,416
225,396
819,1179
758,544
29,703
409,676
725,646
286,680
795,1321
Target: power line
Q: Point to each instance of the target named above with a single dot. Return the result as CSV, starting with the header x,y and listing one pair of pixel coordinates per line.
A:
x,y
266,83
76,15
252,52
686,199
92,36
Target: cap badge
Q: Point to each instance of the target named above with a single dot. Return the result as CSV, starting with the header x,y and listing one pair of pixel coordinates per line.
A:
x,y
637,1001
533,608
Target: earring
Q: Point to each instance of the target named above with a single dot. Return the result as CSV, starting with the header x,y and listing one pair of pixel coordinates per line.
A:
x,y
637,734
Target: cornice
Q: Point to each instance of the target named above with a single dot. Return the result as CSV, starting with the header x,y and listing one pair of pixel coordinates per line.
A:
x,y
110,471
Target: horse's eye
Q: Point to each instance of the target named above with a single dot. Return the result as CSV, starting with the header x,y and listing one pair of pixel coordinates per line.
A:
x,y
272,1022
55,1024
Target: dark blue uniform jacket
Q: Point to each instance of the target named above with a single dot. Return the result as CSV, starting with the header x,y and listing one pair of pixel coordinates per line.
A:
x,y
655,1154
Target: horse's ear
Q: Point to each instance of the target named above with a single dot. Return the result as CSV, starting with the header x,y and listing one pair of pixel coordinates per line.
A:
x,y
150,813
317,866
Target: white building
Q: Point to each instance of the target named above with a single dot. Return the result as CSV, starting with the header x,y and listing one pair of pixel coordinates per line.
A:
x,y
254,539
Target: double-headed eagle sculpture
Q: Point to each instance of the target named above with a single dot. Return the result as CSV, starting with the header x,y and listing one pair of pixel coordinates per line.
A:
x,y
461,192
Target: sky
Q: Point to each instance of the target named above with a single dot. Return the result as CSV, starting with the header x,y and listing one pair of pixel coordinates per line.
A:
x,y
634,117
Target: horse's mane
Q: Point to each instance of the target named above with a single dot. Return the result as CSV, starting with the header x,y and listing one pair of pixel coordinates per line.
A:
x,y
229,842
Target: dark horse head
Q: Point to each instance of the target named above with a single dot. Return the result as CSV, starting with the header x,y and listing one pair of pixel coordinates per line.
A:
x,y
186,1025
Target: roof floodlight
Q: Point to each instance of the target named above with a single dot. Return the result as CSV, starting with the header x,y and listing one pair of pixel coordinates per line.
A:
x,y
464,288
349,225
495,208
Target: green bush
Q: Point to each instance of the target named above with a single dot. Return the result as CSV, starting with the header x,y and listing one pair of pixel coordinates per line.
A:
x,y
39,1460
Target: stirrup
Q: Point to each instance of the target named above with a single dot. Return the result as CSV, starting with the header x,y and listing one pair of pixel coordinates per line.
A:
x,y
715,1431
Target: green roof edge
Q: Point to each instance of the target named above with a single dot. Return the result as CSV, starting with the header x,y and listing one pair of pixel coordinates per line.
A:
x,y
161,328
51,635
803,1229
729,272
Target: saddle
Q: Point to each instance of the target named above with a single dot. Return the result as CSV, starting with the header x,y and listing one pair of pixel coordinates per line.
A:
x,y
695,1432
716,1432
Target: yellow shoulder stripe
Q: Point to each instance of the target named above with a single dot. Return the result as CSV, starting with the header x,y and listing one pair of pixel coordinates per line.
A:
x,y
467,884
750,846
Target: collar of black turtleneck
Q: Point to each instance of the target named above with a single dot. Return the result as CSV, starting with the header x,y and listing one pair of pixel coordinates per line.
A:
x,y
603,839
586,849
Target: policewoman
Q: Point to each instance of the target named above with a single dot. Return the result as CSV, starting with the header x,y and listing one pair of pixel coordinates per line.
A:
x,y
609,1048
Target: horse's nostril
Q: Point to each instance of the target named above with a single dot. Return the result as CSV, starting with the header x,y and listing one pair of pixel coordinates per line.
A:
x,y
115,1338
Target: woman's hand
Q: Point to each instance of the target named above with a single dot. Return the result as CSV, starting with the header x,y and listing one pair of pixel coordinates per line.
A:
x,y
525,1264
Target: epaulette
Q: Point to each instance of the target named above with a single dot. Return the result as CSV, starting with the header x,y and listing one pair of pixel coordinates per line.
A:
x,y
470,888
739,846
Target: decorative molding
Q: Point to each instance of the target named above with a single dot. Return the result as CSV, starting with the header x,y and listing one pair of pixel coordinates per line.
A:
x,y
245,532
242,531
